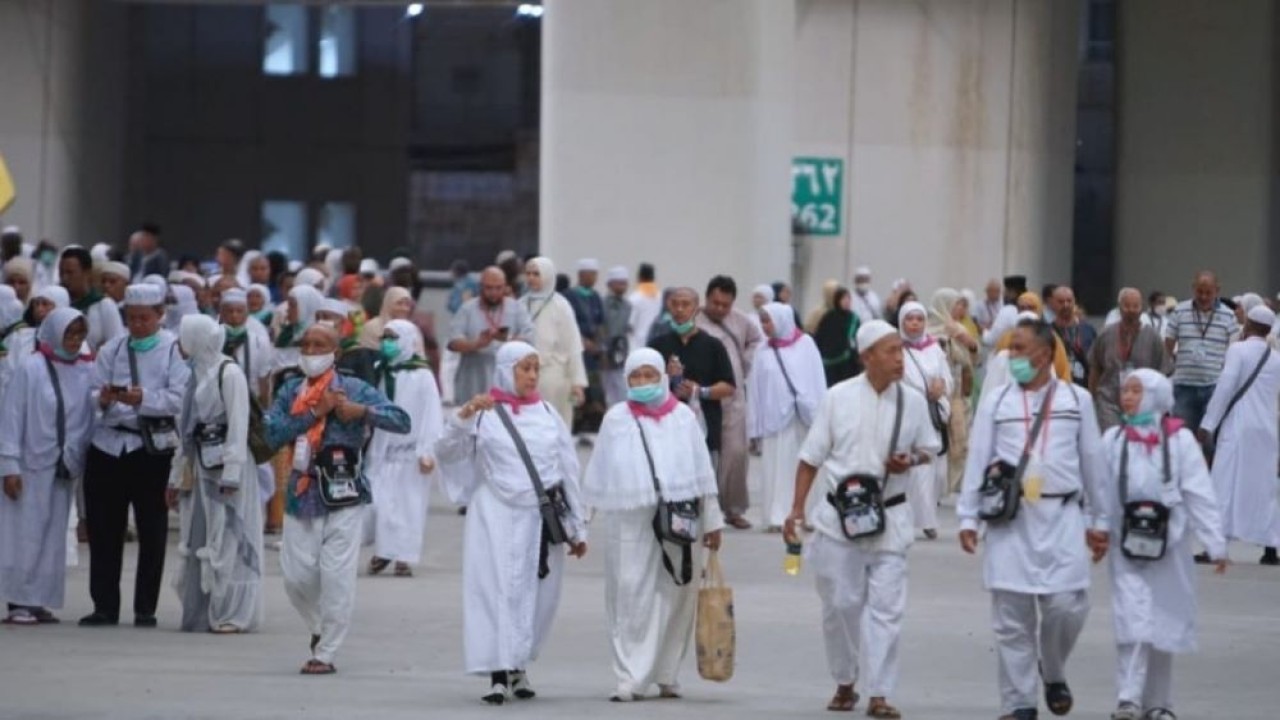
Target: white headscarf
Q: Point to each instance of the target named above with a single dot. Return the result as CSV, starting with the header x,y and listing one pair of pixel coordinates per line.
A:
x,y
906,310
184,304
547,270
408,339
55,325
939,317
648,357
201,339
10,307
262,290
55,294
765,291
310,277
505,361
309,301
242,270
1157,392
784,320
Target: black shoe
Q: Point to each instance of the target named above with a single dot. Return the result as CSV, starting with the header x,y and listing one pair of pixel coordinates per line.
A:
x,y
1058,697
144,621
97,619
1269,557
1203,559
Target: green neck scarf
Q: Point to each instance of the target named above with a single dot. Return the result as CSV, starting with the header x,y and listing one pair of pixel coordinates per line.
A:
x,y
388,372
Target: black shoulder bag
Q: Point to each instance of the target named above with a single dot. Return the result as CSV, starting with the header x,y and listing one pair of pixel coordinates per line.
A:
x,y
795,396
1257,370
1145,532
859,499
1000,495
552,504
935,412
60,472
159,434
673,522
258,446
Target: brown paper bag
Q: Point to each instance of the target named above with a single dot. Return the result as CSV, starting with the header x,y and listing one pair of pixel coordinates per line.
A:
x,y
715,630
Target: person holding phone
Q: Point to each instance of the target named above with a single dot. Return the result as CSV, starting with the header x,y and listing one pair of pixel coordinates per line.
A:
x,y
480,327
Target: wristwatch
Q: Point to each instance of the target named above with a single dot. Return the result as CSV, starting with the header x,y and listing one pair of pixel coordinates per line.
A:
x,y
704,393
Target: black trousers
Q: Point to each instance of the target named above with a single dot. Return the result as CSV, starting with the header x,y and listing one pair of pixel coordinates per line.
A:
x,y
111,486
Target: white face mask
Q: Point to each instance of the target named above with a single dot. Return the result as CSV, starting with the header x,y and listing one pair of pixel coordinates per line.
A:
x,y
315,365
862,287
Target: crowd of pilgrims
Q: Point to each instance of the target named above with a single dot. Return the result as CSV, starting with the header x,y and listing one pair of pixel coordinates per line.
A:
x,y
263,396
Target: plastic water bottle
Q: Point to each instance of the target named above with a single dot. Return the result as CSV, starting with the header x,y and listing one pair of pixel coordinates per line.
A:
x,y
791,563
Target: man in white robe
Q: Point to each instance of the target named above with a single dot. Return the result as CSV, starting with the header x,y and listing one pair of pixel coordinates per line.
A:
x,y
102,314
401,467
863,582
866,303
650,613
35,507
1248,450
1038,562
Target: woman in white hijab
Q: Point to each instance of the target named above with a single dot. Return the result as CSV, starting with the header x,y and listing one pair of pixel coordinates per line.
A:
x,y
21,340
1156,465
563,378
786,385
400,467
511,575
650,616
184,304
214,484
925,368
39,467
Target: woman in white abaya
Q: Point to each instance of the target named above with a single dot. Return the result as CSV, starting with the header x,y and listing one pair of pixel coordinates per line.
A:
x,y
925,368
1154,601
510,579
219,577
786,385
400,467
649,615
36,503
563,379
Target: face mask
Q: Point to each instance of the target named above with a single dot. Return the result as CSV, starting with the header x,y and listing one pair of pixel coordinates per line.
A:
x,y
681,328
862,287
62,353
144,344
47,257
1160,312
645,394
315,365
263,316
1021,370
1140,419
390,348
236,332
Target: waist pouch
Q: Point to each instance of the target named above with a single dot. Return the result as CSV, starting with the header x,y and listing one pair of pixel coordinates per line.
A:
x,y
338,470
1144,534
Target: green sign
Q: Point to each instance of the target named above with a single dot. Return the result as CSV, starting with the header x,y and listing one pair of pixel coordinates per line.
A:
x,y
817,194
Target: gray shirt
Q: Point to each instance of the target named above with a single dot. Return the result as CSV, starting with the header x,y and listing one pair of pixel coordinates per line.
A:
x,y
1112,356
475,369
1202,339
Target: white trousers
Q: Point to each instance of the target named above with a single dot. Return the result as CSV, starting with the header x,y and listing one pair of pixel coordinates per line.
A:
x,y
318,559
1144,676
923,491
449,368
1026,649
864,595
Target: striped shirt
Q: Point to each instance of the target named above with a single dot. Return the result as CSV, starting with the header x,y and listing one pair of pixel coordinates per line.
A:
x,y
1202,339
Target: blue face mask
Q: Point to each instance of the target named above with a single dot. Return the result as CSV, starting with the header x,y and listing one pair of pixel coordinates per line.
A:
x,y
1022,370
646,394
390,348
144,344
62,353
681,328
1140,419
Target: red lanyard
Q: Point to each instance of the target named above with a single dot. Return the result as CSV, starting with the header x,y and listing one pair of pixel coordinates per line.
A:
x,y
1047,406
495,324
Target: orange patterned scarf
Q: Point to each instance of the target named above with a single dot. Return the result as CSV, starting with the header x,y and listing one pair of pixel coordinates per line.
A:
x,y
309,394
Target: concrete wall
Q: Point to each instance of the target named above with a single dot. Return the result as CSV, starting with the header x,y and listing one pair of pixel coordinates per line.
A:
x,y
1196,167
62,116
955,119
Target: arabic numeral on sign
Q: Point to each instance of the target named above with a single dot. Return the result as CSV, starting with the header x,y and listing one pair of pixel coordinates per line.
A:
x,y
828,221
816,216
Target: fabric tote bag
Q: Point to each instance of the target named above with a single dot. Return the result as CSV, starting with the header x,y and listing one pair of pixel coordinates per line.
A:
x,y
715,629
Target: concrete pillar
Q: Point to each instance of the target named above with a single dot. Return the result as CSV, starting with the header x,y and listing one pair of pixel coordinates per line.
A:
x,y
1197,85
667,136
956,120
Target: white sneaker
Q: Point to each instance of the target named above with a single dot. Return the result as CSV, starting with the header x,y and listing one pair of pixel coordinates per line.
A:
x,y
498,695
521,687
1127,711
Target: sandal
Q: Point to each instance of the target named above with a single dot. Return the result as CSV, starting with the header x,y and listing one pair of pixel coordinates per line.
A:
x,y
316,667
844,700
21,616
880,708
403,570
45,617
377,565
1058,697
519,683
228,629
669,692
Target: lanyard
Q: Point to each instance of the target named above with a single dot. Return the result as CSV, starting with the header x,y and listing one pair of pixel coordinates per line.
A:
x,y
1203,328
1046,410
494,324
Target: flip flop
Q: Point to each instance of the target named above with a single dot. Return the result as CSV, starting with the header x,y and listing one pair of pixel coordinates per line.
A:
x,y
845,699
882,709
316,667
45,617
1058,697
377,565
20,617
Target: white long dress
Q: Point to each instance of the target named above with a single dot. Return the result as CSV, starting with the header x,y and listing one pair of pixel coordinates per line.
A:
x,y
921,367
401,490
33,528
555,335
649,616
781,419
219,575
1154,601
507,609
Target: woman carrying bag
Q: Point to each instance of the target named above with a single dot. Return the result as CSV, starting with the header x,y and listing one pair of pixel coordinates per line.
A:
x,y
650,477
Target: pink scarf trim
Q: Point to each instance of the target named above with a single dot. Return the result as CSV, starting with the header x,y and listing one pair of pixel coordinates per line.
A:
x,y
1151,440
920,344
49,353
657,413
515,401
787,342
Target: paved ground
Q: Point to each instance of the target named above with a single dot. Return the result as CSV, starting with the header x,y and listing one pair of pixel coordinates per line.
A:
x,y
403,657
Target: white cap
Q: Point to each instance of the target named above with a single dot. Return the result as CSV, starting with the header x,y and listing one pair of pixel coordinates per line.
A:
x,y
310,276
368,266
101,252
397,263
1027,315
862,271
1262,315
294,266
335,306
618,272
118,269
145,295
504,256
235,296
321,249
588,265
872,333
11,230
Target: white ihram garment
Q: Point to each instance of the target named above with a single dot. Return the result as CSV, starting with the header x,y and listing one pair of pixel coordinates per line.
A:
x,y
919,368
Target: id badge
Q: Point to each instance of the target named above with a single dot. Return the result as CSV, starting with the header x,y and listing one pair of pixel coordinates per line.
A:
x,y
1033,483
861,522
302,454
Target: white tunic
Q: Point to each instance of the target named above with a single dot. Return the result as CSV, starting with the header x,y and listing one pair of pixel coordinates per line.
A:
x,y
1043,549
1244,467
163,375
105,323
33,528
555,335
256,355
851,435
1154,601
507,610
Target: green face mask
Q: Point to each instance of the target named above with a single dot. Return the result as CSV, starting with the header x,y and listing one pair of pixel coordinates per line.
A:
x,y
264,317
144,344
1140,419
1021,370
390,349
683,328
236,333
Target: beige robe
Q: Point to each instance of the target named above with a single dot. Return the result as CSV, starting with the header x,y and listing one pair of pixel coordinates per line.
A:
x,y
740,338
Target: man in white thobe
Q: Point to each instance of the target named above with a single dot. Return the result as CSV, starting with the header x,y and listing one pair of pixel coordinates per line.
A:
x,y
866,304
1244,464
1037,564
863,582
